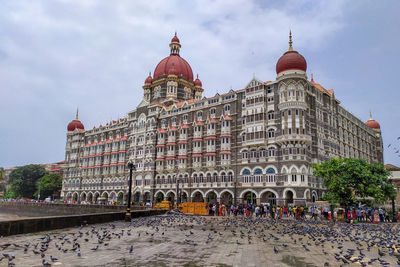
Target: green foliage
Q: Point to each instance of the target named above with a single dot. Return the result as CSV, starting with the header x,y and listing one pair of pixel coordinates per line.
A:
x,y
2,173
349,181
10,194
23,179
49,184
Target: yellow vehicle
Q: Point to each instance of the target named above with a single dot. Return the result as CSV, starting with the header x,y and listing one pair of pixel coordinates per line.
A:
x,y
165,205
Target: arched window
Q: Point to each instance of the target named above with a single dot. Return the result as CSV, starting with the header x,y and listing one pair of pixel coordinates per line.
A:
x,y
246,178
223,177
230,176
195,179
244,154
258,171
201,178
215,178
209,178
271,152
258,177
270,177
246,172
271,115
271,133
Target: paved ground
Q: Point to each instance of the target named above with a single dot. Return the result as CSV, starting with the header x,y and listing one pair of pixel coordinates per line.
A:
x,y
180,240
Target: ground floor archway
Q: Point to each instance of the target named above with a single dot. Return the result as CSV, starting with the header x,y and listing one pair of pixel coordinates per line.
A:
x,y
136,197
289,197
159,197
147,197
89,197
184,197
197,197
226,198
211,197
96,196
268,197
75,197
249,198
120,197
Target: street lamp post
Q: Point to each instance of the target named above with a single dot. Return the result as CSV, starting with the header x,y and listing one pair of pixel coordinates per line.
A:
x,y
394,218
131,167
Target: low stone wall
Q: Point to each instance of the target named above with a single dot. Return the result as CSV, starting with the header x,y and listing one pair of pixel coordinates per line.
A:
x,y
23,226
32,209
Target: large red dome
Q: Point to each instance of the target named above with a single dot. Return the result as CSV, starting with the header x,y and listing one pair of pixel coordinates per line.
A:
x,y
180,66
75,124
373,124
174,64
291,60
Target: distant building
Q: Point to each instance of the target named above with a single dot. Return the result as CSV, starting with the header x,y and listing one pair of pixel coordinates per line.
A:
x,y
395,178
255,145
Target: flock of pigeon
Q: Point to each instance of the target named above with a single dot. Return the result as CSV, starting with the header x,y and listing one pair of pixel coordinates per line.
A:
x,y
325,243
395,149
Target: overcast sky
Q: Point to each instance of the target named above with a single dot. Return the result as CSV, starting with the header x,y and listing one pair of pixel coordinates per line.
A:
x,y
56,56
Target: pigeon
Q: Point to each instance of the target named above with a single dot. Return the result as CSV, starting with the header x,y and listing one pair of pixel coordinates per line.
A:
x,y
45,263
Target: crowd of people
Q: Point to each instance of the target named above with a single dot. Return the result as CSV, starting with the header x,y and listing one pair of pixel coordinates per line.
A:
x,y
299,212
250,210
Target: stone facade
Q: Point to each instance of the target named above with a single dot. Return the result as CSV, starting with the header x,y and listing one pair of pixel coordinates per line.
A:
x,y
250,145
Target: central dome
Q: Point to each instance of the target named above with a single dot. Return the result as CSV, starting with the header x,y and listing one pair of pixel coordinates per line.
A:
x,y
182,68
291,60
174,63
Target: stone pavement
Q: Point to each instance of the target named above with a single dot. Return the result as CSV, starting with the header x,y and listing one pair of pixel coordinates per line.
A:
x,y
182,240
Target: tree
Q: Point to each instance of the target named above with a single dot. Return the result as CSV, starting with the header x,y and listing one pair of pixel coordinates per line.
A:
x,y
2,173
49,184
3,181
348,181
23,179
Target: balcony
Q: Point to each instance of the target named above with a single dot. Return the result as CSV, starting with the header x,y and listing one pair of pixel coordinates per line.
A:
x,y
225,146
171,139
210,148
197,150
197,134
288,138
225,130
183,137
211,132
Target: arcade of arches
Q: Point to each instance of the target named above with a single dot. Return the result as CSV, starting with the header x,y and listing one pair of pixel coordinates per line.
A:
x,y
247,196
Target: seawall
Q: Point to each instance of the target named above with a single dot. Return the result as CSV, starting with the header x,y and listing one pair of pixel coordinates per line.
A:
x,y
31,225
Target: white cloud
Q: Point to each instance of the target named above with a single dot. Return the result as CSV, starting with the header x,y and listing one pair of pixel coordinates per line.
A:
x,y
56,55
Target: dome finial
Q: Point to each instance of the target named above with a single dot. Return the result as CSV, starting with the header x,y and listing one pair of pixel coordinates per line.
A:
x,y
77,113
312,77
290,41
370,115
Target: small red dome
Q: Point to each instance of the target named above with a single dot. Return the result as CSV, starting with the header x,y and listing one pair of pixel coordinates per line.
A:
x,y
291,60
75,124
182,68
373,124
175,39
148,80
197,82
